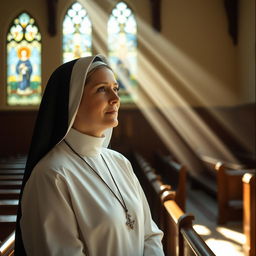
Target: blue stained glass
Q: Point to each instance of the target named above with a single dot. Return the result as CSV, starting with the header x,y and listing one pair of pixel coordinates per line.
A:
x,y
77,33
122,45
23,62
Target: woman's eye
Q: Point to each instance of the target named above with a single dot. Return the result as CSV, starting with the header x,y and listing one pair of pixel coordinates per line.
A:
x,y
104,89
101,89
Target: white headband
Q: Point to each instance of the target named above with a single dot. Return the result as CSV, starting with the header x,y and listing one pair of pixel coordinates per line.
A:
x,y
96,64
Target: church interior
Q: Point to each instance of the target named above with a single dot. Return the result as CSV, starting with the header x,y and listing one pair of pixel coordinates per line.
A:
x,y
187,120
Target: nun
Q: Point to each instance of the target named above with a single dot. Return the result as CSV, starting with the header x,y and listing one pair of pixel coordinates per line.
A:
x,y
78,196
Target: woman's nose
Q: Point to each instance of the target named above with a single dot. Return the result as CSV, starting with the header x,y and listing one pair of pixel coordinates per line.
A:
x,y
114,98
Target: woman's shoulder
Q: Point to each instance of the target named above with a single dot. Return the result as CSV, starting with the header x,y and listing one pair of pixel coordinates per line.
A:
x,y
54,161
114,153
116,156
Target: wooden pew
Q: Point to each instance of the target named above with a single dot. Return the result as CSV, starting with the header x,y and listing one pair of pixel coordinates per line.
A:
x,y
10,177
180,237
249,213
7,225
186,239
7,246
230,204
11,171
8,207
8,210
13,158
174,174
10,166
10,184
150,182
229,189
9,194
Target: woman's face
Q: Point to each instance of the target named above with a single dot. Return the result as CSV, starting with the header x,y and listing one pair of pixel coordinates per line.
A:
x,y
100,102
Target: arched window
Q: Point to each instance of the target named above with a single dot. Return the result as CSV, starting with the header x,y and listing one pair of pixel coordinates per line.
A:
x,y
77,33
23,62
122,44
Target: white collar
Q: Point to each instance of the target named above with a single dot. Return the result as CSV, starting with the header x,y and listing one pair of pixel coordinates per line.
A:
x,y
83,144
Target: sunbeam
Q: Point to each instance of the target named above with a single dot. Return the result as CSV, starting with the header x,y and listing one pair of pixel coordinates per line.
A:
x,y
171,96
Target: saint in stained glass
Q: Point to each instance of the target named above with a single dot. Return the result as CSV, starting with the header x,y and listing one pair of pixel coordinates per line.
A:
x,y
23,62
77,33
122,45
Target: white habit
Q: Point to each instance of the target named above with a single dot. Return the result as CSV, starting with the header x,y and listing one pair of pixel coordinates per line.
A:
x,y
68,211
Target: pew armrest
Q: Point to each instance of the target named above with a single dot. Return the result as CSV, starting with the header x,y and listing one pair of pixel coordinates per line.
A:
x,y
195,242
178,216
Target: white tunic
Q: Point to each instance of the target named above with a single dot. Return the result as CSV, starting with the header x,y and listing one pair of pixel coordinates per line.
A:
x,y
68,211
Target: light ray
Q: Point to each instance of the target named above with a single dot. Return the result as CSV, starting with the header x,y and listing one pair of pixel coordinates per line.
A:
x,y
166,95
232,235
193,129
207,89
191,76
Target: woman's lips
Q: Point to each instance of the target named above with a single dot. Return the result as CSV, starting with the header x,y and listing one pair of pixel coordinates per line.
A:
x,y
111,112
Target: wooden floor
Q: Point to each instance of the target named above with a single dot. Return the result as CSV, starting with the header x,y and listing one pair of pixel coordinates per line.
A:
x,y
223,240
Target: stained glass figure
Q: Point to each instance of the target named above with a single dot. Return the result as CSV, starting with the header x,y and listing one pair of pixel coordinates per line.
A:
x,y
23,62
122,45
77,33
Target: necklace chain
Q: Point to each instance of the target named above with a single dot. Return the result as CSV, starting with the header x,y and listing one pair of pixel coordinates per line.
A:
x,y
129,221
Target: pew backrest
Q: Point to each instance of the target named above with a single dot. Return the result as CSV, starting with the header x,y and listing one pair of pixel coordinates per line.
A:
x,y
175,175
229,188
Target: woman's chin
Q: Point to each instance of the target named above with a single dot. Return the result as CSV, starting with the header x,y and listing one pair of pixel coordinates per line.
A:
x,y
112,123
116,123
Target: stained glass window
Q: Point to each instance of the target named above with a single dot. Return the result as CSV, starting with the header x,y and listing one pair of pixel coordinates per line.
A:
x,y
122,45
23,62
77,33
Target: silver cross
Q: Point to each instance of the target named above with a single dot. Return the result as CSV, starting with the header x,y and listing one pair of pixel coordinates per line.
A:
x,y
129,222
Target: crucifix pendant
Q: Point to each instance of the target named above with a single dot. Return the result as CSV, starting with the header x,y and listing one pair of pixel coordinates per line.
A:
x,y
129,221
